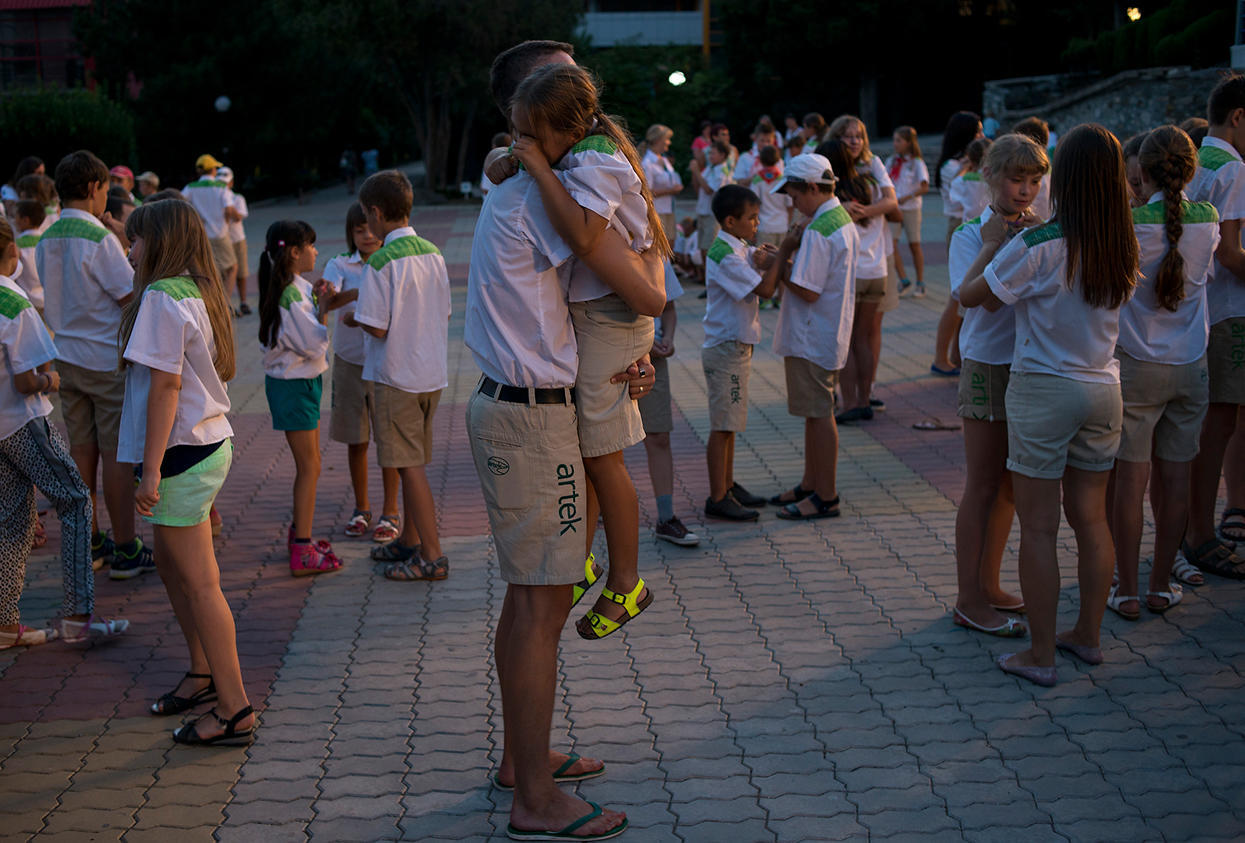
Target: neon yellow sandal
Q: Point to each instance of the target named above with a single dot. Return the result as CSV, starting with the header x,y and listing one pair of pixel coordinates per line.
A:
x,y
594,626
592,573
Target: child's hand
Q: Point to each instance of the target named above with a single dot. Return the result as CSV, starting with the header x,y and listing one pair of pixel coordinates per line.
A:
x,y
855,210
348,320
662,349
501,167
996,231
792,241
147,495
763,256
529,153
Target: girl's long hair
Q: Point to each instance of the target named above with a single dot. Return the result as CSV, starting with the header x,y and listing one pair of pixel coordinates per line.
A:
x,y
176,246
1167,156
850,185
908,133
354,218
839,128
566,97
1089,191
961,129
276,271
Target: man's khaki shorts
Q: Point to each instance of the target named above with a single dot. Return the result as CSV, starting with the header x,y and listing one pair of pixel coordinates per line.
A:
x,y
727,367
810,388
870,289
706,230
1164,407
528,461
611,336
402,422
223,254
655,410
1054,423
351,404
983,391
91,405
1225,361
910,227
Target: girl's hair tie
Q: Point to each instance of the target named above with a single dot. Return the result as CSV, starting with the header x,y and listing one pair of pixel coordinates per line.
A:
x,y
280,244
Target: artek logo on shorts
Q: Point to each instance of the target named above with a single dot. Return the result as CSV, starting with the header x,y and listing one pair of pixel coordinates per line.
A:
x,y
735,389
498,466
568,510
1238,346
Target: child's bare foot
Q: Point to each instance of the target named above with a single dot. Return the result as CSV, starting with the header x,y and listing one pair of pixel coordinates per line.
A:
x,y
582,768
1005,601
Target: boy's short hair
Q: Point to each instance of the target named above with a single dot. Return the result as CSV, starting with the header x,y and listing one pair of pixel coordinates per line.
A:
x,y
1227,96
77,171
30,210
118,198
719,127
977,150
796,142
1132,146
770,155
721,148
37,186
390,192
1034,127
502,139
733,200
514,65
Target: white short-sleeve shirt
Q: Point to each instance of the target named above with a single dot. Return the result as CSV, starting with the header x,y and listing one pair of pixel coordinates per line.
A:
x,y
172,334
84,273
301,348
237,232
947,173
985,337
732,310
912,171
661,175
1057,332
406,291
1220,180
874,238
210,197
775,207
518,325
1155,334
970,195
1041,205
25,344
28,270
715,177
346,271
821,331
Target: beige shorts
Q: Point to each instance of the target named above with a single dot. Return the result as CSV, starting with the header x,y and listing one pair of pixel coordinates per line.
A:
x,y
91,405
870,289
983,391
351,404
727,367
222,253
667,225
1225,361
611,336
890,301
706,230
1164,407
403,425
239,257
527,458
810,388
952,224
655,410
910,227
774,238
1055,422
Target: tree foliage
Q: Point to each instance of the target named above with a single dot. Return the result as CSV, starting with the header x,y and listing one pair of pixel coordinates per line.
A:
x,y
52,123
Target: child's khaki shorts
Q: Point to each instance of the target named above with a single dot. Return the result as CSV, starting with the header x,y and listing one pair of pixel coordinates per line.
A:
x,y
611,336
727,367
351,404
403,425
223,254
910,227
1055,423
870,290
1225,361
655,411
1164,407
91,405
527,458
810,388
983,391
706,230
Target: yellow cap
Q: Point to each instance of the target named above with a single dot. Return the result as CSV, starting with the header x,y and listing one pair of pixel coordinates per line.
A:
x,y
206,162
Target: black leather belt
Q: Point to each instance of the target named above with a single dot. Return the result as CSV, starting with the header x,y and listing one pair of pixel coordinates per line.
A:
x,y
521,395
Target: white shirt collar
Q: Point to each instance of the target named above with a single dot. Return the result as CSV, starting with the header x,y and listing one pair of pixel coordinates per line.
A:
x,y
1158,197
829,205
1221,144
731,240
404,231
355,258
74,213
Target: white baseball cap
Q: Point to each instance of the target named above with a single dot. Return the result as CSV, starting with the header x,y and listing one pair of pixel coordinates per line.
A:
x,y
806,168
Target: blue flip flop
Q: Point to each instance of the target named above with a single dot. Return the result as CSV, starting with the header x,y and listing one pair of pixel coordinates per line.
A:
x,y
568,833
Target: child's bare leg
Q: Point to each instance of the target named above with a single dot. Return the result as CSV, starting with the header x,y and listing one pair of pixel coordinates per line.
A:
x,y
391,481
118,496
305,444
717,455
918,259
176,588
898,258
356,459
592,514
948,330
419,510
621,513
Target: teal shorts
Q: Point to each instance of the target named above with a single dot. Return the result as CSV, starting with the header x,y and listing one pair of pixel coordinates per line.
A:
x,y
294,404
186,498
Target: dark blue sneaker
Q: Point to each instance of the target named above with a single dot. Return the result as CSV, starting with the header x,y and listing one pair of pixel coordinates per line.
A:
x,y
102,550
129,562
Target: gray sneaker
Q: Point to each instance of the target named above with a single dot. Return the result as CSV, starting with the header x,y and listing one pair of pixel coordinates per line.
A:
x,y
675,532
729,509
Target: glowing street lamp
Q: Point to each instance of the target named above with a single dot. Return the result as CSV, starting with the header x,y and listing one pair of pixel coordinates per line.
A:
x,y
677,78
1134,14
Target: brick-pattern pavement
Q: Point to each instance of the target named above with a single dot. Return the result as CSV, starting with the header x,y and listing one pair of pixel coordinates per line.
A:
x,y
790,682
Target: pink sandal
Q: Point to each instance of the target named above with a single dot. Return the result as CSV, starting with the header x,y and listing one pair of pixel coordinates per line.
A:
x,y
310,559
386,529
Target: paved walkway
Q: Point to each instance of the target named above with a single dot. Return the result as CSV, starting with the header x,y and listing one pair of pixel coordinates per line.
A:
x,y
791,681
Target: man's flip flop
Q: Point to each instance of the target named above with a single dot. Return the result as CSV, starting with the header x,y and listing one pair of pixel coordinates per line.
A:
x,y
560,775
568,833
934,423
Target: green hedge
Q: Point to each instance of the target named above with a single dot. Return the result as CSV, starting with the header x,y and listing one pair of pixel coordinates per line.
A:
x,y
51,122
1192,32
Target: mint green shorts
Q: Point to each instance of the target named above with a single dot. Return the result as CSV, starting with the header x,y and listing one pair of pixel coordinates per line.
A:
x,y
186,498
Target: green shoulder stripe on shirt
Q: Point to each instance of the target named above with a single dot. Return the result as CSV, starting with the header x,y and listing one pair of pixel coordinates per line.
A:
x,y
206,183
70,227
596,143
1191,213
290,295
972,176
27,240
1042,234
12,303
967,223
178,288
1212,157
831,221
403,247
719,250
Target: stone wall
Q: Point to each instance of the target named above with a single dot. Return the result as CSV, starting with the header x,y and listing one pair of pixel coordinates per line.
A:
x,y
1125,103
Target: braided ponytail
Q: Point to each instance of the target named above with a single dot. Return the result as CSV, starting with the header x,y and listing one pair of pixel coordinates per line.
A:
x,y
1168,159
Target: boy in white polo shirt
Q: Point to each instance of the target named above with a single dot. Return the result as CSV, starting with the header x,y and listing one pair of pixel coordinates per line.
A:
x,y
215,202
404,306
86,280
732,322
815,327
716,174
28,219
